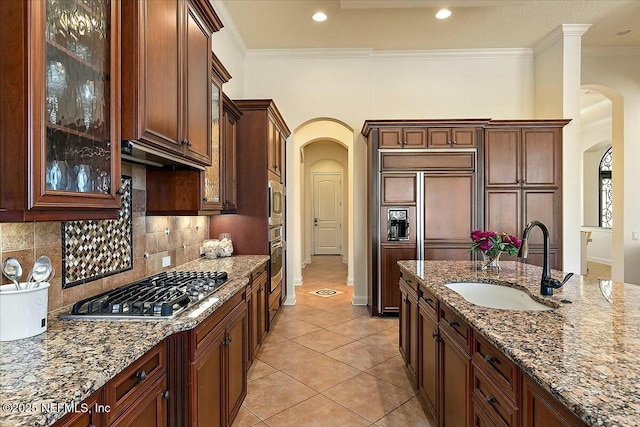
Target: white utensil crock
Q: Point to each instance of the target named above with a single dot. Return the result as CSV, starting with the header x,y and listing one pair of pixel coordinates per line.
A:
x,y
23,313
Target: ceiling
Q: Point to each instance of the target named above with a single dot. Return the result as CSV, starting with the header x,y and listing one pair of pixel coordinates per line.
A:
x,y
411,25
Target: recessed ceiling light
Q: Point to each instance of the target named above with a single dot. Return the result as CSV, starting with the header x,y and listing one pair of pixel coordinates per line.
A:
x,y
443,14
623,32
319,17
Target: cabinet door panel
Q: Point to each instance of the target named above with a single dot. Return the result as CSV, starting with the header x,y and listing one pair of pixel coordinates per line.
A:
x,y
390,274
543,205
160,76
198,101
502,157
428,360
390,138
207,404
455,384
415,138
449,207
439,137
539,409
236,363
502,211
463,137
149,411
541,157
398,189
447,253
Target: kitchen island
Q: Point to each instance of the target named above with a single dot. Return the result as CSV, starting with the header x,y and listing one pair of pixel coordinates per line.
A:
x,y
44,377
585,353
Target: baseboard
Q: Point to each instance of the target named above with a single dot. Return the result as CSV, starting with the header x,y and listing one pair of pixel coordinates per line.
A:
x,y
350,281
297,281
290,300
599,260
345,260
359,300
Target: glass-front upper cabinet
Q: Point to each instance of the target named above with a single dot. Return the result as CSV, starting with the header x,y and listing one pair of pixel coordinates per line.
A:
x,y
80,100
60,111
212,199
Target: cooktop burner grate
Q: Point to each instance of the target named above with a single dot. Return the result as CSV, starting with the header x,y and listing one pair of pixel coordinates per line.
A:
x,y
157,297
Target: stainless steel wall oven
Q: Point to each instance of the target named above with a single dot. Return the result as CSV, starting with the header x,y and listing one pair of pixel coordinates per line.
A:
x,y
277,252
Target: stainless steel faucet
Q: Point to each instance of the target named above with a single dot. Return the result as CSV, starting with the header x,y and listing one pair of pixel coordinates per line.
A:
x,y
547,283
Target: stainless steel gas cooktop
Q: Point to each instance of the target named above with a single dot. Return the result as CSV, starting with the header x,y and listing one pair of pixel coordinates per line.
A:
x,y
162,296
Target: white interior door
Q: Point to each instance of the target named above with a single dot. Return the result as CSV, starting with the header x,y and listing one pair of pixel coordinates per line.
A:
x,y
327,213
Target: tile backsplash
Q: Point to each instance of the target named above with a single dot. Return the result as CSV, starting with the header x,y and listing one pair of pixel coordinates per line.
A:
x,y
179,237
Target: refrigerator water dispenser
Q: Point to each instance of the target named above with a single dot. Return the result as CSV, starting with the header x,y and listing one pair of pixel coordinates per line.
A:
x,y
397,224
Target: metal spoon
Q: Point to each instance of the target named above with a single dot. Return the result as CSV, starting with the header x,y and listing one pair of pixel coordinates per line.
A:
x,y
41,270
12,269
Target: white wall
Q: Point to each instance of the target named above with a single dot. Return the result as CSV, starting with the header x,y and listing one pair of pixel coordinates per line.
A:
x,y
599,249
616,72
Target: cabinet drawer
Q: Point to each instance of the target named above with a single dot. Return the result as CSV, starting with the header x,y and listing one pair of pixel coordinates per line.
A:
x,y
456,327
131,383
202,334
428,161
410,285
503,411
502,371
261,270
428,302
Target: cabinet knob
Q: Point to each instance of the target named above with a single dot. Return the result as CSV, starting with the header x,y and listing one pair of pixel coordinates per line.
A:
x,y
491,360
452,324
454,142
436,337
491,400
189,143
429,300
204,199
166,395
142,375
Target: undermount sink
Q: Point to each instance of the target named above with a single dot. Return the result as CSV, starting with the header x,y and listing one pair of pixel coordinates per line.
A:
x,y
497,296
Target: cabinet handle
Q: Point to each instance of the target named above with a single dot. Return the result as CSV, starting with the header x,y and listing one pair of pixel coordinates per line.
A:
x,y
189,143
183,142
120,191
429,300
141,376
491,400
452,324
491,360
436,337
165,395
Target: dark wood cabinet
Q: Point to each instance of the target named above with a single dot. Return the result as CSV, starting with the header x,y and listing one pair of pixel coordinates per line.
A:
x,y
275,142
60,139
149,411
409,324
166,56
523,181
455,374
91,417
428,355
228,187
390,274
452,137
257,310
403,138
218,367
539,409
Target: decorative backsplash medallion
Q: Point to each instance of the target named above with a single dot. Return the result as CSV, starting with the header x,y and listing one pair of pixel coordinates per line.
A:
x,y
94,249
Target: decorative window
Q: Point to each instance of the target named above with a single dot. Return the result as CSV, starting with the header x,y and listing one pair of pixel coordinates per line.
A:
x,y
606,189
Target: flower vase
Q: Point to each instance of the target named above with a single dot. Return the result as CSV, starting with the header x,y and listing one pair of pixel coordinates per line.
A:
x,y
491,262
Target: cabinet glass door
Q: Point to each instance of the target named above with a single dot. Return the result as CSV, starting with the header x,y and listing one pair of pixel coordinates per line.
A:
x,y
77,96
212,173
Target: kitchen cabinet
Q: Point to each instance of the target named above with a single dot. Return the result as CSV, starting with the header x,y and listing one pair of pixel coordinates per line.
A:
x,y
409,324
149,411
208,191
523,181
464,137
403,138
427,345
257,303
218,367
91,417
166,81
60,154
540,409
390,274
216,192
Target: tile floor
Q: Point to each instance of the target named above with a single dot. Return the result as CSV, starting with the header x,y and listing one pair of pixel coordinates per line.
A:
x,y
326,363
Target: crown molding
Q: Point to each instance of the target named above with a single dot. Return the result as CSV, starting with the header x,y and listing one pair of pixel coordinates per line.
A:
x,y
258,54
255,54
558,34
611,51
230,26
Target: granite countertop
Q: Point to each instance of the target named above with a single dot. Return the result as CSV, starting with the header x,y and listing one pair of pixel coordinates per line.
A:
x,y
74,358
585,353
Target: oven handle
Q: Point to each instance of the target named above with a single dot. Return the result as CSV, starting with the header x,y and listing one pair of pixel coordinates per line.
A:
x,y
277,244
